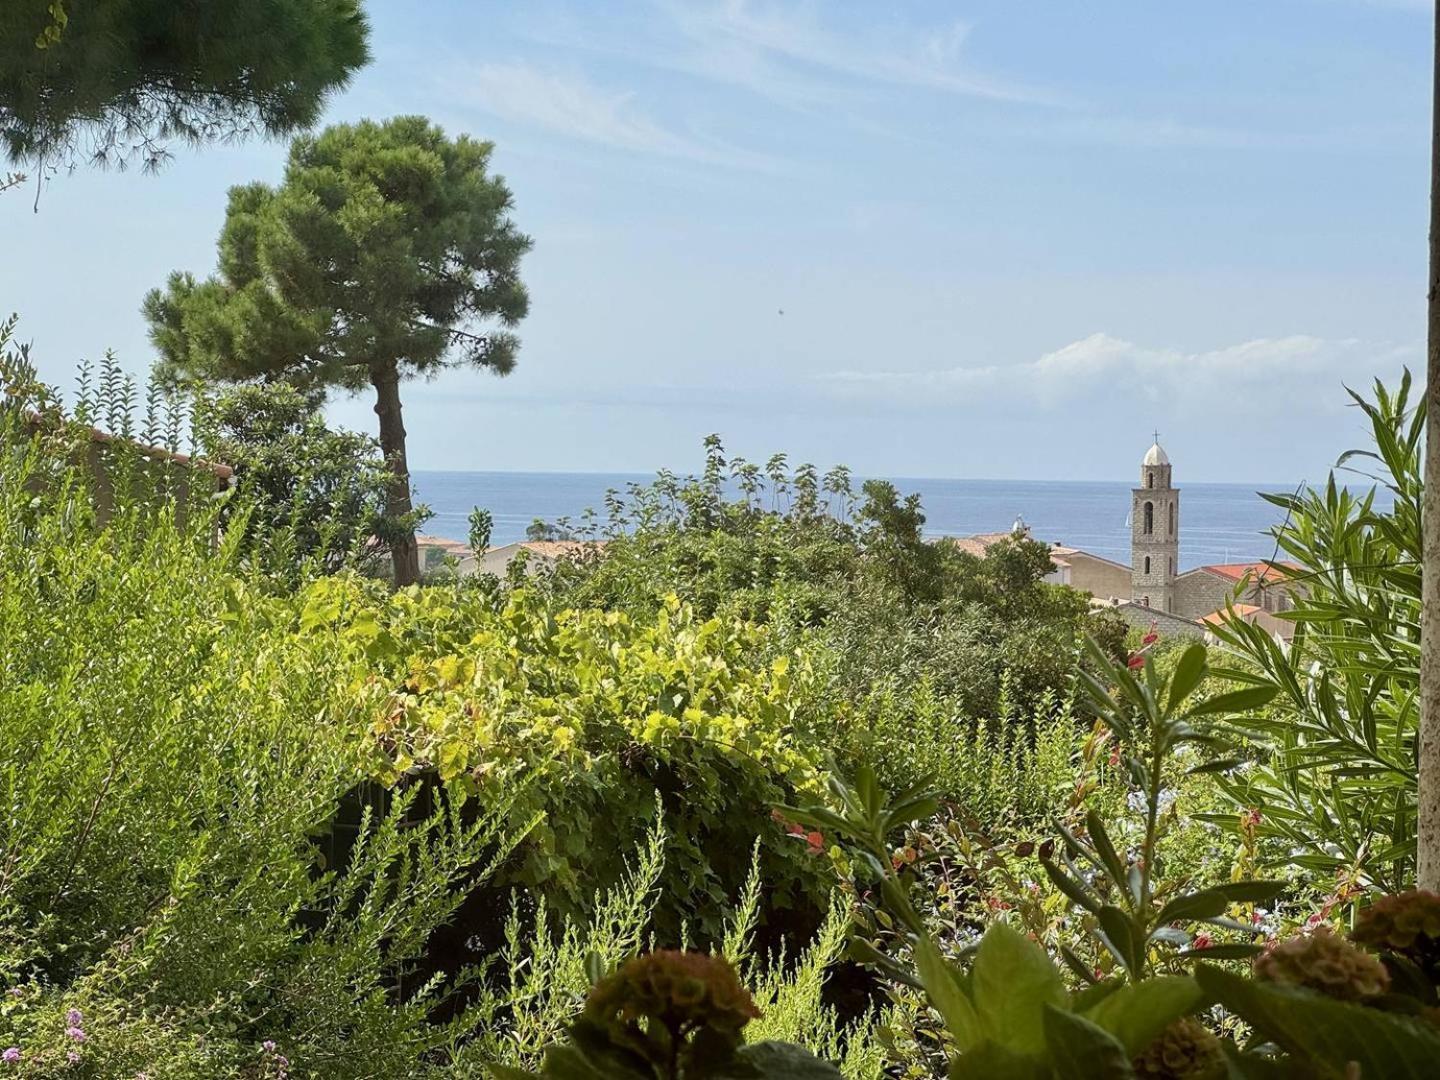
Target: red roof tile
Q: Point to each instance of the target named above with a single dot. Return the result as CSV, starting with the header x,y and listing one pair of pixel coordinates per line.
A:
x,y
1257,571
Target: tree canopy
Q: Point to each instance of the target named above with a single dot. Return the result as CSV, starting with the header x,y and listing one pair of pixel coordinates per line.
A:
x,y
387,251
120,78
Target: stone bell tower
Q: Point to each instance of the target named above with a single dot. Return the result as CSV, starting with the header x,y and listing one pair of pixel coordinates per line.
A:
x,y
1154,532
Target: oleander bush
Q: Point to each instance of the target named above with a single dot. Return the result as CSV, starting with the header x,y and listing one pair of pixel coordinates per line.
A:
x,y
1331,766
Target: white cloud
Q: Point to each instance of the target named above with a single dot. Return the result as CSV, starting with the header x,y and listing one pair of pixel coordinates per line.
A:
x,y
1111,373
572,106
768,47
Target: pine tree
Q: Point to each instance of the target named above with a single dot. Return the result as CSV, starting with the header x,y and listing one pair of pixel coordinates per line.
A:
x,y
386,252
121,78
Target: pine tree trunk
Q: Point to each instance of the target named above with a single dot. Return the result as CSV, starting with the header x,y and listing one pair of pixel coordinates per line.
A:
x,y
404,554
1428,868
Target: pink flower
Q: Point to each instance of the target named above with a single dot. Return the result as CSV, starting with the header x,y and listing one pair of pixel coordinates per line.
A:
x,y
11,1054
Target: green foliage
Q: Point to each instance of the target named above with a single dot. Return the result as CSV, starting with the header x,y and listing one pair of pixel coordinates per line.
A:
x,y
171,755
310,496
119,79
1328,1038
1017,766
593,713
1332,763
385,245
386,252
897,616
1154,718
481,525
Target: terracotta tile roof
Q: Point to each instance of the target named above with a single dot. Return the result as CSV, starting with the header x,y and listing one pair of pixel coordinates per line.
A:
x,y
1061,551
452,547
978,544
1242,611
555,549
1258,571
154,453
549,549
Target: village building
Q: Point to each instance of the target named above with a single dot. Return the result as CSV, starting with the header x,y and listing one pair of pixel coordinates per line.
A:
x,y
1153,589
540,554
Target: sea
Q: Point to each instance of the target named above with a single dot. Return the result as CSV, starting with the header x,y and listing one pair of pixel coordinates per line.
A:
x,y
1218,522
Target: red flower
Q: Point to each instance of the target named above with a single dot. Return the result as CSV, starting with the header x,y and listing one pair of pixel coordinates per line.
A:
x,y
816,840
1135,661
1150,638
1202,941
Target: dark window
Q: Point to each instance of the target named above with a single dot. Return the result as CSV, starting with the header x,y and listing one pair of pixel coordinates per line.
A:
x,y
1172,565
1147,564
1145,600
1172,519
1149,479
1149,518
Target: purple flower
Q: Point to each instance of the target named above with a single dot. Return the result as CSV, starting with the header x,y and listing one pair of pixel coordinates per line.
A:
x,y
17,991
11,1054
268,1046
75,1033
73,1057
74,1018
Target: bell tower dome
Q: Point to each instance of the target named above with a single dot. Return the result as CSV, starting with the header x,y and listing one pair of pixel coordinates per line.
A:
x,y
1154,532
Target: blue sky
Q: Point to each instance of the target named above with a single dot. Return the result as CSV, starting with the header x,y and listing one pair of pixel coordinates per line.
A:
x,y
1008,239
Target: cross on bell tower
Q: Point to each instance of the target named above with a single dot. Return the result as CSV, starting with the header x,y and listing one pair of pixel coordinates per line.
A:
x,y
1155,532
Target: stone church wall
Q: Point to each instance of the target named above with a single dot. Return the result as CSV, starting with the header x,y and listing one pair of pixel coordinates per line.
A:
x,y
1166,625
1199,592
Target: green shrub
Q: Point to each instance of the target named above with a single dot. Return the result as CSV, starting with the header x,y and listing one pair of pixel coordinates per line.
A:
x,y
1331,765
583,716
171,756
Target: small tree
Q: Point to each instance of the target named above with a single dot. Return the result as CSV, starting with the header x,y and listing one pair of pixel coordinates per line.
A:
x,y
131,74
309,492
386,252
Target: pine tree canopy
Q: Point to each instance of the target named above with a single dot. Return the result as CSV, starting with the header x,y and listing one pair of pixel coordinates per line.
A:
x,y
117,79
386,244
386,252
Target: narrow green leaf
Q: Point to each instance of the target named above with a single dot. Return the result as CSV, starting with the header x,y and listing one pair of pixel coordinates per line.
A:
x,y
1116,925
1106,850
1070,887
945,994
1236,701
1189,673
